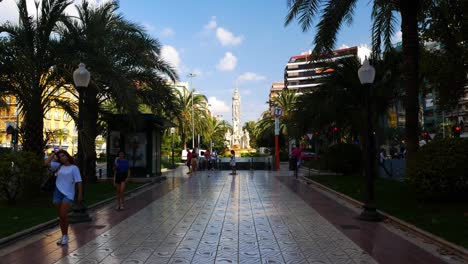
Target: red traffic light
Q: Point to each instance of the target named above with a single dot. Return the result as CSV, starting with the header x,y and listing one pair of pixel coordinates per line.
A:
x,y
457,128
316,133
426,134
335,129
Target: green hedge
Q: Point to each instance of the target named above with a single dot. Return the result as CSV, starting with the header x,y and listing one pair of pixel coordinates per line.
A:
x,y
20,174
439,170
342,158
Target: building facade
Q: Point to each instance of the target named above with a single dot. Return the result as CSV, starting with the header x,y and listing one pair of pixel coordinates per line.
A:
x,y
59,128
303,74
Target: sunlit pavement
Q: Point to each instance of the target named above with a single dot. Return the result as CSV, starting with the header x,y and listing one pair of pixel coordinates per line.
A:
x,y
215,217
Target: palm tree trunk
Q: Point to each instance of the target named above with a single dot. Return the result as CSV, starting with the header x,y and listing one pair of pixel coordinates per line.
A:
x,y
33,126
88,133
409,29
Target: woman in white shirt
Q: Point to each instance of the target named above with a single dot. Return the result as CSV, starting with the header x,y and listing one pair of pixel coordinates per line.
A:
x,y
68,175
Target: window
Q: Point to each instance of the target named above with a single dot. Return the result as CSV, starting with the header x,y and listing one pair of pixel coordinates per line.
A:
x,y
57,125
47,115
56,114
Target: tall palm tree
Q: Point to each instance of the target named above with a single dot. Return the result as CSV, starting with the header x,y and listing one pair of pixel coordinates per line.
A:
x,y
335,13
339,100
184,106
126,69
286,100
27,62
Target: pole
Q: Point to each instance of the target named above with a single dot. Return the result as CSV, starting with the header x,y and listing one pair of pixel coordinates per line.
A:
x,y
172,147
193,125
191,75
370,211
79,211
277,143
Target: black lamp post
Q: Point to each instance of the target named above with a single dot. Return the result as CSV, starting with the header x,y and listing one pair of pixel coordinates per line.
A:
x,y
172,146
366,75
81,78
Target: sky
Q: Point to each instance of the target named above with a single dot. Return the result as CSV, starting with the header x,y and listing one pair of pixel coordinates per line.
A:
x,y
227,42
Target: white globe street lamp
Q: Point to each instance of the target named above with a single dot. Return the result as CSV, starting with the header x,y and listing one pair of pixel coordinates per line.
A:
x,y
81,78
366,75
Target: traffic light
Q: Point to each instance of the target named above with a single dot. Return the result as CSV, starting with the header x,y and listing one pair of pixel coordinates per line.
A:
x,y
335,129
456,131
426,135
14,137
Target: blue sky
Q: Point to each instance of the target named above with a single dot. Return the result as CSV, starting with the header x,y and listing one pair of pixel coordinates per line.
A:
x,y
228,41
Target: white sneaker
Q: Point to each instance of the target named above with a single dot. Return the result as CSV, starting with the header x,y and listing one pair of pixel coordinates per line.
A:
x,y
59,242
64,240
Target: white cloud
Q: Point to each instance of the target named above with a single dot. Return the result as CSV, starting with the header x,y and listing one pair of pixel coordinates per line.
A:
x,y
250,76
218,106
227,38
397,37
167,32
212,24
344,46
171,55
227,63
363,52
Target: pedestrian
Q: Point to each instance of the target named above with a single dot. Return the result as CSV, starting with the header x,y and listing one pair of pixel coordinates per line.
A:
x,y
214,159
68,179
232,162
121,177
189,161
382,156
207,160
193,160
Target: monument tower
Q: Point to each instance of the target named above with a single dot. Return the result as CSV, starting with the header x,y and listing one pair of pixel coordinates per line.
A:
x,y
238,139
236,130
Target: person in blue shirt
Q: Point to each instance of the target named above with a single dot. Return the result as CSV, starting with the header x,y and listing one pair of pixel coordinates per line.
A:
x,y
121,177
68,175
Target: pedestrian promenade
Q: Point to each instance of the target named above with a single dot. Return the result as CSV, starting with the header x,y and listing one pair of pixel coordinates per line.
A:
x,y
215,217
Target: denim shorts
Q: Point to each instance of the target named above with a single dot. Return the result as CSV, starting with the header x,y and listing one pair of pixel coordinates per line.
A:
x,y
60,197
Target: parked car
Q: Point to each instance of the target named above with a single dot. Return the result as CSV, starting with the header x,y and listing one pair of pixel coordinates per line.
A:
x,y
309,154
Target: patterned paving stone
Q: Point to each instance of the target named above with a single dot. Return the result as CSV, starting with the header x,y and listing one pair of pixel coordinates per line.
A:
x,y
246,218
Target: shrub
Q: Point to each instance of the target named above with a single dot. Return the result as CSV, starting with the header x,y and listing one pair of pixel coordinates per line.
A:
x,y
250,154
19,171
439,170
343,158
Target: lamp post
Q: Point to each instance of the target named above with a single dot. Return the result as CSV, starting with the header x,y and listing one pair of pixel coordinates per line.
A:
x,y
191,76
81,78
172,146
366,75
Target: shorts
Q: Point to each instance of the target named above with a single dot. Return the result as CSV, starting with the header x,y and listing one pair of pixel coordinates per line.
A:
x,y
59,197
120,177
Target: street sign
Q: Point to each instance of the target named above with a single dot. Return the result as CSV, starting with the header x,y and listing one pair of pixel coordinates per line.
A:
x,y
278,112
309,135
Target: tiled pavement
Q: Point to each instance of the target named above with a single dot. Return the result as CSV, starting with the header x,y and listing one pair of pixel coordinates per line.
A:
x,y
252,217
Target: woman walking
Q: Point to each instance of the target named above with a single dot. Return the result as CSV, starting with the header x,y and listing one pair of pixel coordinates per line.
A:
x,y
122,174
68,175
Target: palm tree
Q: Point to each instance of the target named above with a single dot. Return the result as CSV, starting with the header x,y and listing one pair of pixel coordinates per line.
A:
x,y
287,102
335,13
338,101
126,65
28,58
183,112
